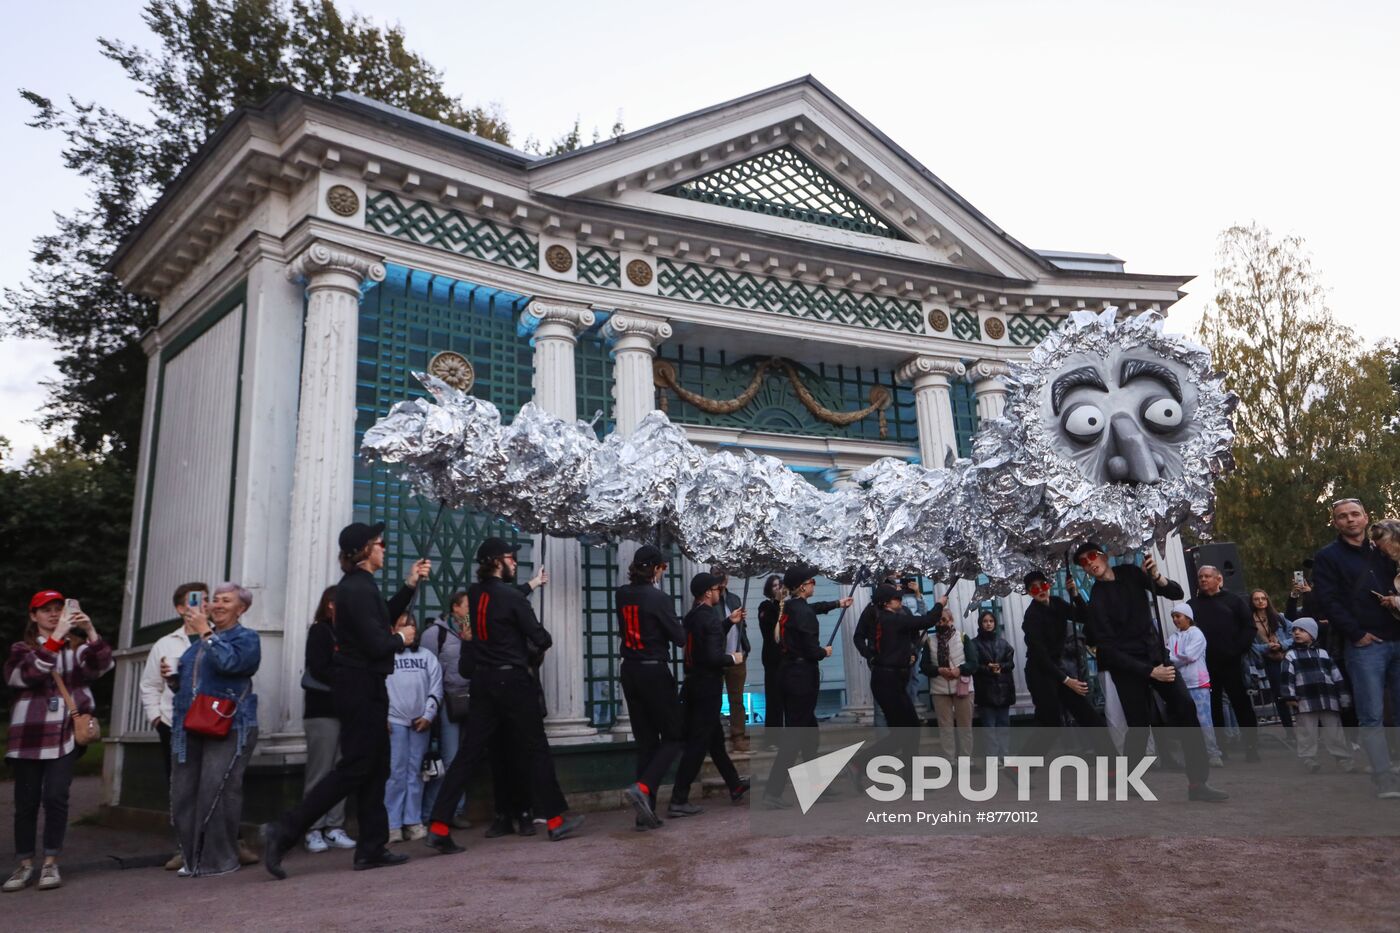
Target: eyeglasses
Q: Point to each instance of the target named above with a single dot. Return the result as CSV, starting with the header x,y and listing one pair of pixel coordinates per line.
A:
x,y
1035,589
1088,557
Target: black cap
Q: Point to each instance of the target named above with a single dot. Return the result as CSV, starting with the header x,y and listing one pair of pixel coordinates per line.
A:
x,y
495,547
649,555
356,535
884,594
1086,547
1033,577
798,574
702,582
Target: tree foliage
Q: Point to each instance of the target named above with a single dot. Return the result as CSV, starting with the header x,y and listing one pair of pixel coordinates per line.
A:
x,y
212,56
1318,409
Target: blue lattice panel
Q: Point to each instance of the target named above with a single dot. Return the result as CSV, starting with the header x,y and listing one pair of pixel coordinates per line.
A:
x,y
780,296
404,322
450,229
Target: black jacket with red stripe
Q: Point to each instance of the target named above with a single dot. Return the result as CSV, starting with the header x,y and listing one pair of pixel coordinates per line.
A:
x,y
799,633
646,617
505,631
704,642
894,634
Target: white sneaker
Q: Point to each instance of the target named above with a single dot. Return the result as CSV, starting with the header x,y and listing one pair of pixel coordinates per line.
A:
x,y
395,835
49,878
414,831
20,879
315,842
337,839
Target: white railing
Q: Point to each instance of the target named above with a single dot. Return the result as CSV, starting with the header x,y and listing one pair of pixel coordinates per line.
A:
x,y
128,715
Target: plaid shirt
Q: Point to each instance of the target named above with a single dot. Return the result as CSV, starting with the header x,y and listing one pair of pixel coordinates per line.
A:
x,y
1310,677
39,726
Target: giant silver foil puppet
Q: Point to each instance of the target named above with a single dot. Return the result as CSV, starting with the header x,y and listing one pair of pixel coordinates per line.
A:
x,y
1113,430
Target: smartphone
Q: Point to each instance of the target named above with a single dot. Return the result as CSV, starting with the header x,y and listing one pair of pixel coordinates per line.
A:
x,y
70,609
1298,579
194,599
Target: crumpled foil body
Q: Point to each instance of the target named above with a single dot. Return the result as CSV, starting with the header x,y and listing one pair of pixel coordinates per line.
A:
x,y
1018,504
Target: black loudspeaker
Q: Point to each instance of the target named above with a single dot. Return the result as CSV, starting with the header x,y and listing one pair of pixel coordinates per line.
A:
x,y
1224,556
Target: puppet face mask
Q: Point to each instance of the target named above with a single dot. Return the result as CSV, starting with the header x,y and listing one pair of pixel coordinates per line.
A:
x,y
1123,418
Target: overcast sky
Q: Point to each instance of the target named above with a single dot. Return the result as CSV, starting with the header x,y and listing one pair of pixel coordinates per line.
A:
x,y
1141,129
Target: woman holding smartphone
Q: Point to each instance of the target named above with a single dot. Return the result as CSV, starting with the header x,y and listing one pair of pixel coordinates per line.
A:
x,y
59,642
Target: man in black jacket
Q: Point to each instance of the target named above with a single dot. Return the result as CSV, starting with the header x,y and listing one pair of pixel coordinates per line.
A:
x,y
706,661
799,638
1046,626
1350,576
646,618
504,697
366,644
1228,625
1130,647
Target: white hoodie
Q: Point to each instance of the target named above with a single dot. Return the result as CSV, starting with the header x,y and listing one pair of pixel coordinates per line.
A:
x,y
1188,652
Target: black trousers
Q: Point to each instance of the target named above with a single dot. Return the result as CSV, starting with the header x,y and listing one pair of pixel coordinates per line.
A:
x,y
1227,679
656,714
42,782
890,687
704,734
801,684
1135,696
1053,699
772,696
362,706
163,733
510,783
504,702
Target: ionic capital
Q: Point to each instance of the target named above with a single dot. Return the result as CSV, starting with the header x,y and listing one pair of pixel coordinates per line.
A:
x,y
574,318
989,370
919,367
644,332
323,263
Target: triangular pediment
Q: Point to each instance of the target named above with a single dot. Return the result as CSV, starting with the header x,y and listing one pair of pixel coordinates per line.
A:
x,y
796,161
785,183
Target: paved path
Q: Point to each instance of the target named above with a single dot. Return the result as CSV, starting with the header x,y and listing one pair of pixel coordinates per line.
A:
x,y
710,873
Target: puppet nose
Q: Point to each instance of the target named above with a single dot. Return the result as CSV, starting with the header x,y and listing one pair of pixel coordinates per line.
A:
x,y
1132,460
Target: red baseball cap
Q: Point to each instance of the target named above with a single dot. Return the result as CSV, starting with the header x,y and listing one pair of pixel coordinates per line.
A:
x,y
43,598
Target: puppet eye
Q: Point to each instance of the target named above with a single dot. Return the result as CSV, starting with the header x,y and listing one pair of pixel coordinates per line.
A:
x,y
1084,422
1162,415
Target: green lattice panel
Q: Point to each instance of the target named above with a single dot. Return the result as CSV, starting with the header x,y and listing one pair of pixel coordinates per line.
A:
x,y
1027,330
965,325
964,403
404,321
593,378
602,692
763,293
597,266
776,409
450,229
784,183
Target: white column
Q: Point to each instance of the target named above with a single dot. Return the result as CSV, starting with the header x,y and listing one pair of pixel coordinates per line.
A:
x,y
990,391
556,329
323,473
938,439
634,339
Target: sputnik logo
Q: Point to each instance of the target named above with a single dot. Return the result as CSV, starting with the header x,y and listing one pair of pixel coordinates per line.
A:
x,y
811,778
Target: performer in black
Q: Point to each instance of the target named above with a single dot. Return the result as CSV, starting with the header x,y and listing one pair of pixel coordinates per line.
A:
x,y
705,662
768,612
892,636
800,640
1048,622
647,620
1130,647
504,696
366,646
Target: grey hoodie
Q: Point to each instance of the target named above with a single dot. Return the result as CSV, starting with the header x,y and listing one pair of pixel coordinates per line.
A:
x,y
415,687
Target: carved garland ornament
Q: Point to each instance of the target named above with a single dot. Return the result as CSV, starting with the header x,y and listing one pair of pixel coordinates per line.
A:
x,y
664,377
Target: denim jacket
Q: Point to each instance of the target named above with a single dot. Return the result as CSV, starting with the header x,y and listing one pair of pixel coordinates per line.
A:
x,y
227,662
